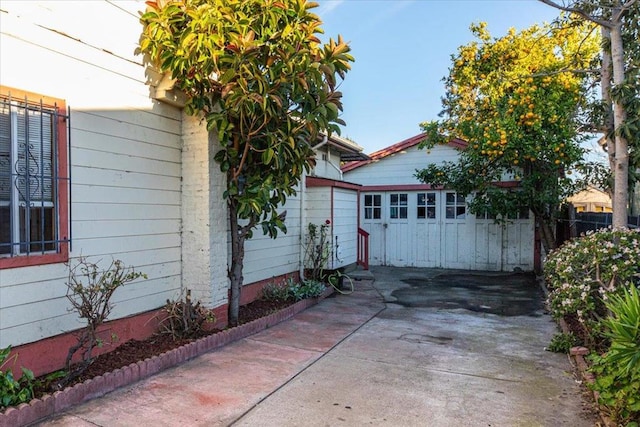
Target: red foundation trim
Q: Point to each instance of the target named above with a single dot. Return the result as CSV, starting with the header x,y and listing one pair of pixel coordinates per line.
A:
x,y
49,354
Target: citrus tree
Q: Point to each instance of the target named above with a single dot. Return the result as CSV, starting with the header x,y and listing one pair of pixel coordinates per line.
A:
x,y
517,100
266,85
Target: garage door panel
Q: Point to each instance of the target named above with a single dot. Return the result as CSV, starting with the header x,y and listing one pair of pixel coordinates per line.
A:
x,y
518,245
427,245
488,240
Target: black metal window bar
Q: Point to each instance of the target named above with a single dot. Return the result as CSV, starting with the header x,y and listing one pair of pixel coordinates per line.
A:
x,y
29,177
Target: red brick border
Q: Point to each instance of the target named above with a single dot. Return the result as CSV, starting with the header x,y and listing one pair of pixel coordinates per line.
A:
x,y
59,401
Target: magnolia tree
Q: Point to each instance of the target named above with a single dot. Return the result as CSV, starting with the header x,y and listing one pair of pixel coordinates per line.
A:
x,y
514,100
266,85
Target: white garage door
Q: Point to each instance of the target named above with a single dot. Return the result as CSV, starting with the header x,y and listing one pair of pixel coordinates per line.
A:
x,y
434,229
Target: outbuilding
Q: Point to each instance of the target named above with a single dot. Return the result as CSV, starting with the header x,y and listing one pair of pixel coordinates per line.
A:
x,y
413,224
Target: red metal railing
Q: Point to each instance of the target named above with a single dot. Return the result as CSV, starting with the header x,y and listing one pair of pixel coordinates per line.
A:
x,y
363,248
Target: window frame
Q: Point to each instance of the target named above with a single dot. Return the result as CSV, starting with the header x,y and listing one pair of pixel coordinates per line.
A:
x,y
372,208
398,209
62,234
459,202
427,205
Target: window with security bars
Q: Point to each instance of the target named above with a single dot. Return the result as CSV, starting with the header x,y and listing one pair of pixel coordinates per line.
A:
x,y
33,181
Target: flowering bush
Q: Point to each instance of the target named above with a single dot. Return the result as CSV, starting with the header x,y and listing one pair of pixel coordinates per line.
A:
x,y
584,272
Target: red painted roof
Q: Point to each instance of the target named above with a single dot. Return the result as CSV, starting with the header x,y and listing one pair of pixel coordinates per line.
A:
x,y
395,148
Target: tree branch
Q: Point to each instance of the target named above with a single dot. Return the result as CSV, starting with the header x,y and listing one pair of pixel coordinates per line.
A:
x,y
581,13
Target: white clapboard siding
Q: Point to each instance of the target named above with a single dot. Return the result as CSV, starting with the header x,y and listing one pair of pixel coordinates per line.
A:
x,y
327,164
55,15
345,227
399,168
266,257
106,211
343,221
125,154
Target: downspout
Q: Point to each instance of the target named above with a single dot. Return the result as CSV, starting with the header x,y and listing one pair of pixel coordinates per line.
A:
x,y
303,221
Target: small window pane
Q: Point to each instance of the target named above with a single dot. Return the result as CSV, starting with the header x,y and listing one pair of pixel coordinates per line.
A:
x,y
431,198
377,200
367,200
451,198
377,213
403,212
404,199
451,212
461,212
421,199
367,213
394,199
431,212
422,212
393,213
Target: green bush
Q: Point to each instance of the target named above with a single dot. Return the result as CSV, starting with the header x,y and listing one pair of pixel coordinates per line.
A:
x,y
275,292
308,289
617,372
583,273
562,343
12,391
292,290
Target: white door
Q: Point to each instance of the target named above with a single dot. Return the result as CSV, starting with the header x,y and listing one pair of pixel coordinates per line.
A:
x,y
427,246
373,223
458,238
398,237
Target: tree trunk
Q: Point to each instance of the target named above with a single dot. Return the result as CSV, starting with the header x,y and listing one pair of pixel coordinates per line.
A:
x,y
621,172
605,86
237,263
547,235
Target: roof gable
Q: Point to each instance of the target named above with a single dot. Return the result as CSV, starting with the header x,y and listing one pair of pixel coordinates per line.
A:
x,y
398,147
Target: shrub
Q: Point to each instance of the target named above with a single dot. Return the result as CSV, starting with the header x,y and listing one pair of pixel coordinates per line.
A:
x,y
583,273
293,290
562,343
184,319
275,292
317,250
307,289
618,371
89,290
623,328
14,391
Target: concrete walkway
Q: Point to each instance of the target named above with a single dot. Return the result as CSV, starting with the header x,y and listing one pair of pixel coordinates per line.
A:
x,y
357,360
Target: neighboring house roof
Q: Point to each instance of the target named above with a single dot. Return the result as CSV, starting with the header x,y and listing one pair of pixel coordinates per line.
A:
x,y
591,195
396,148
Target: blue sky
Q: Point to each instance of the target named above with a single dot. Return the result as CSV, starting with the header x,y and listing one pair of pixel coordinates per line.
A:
x,y
402,50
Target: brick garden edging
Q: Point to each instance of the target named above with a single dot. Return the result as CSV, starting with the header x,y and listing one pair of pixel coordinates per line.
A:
x,y
59,401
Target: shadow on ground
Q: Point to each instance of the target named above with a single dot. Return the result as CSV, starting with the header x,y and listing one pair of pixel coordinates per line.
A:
x,y
515,294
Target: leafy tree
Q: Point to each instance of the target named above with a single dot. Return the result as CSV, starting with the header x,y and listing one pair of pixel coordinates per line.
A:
x,y
514,100
620,83
266,86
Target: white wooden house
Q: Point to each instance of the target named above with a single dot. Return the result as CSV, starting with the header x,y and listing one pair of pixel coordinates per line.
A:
x,y
414,224
113,168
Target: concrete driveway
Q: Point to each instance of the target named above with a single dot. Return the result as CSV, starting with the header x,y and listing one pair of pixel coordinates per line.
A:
x,y
451,348
416,347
